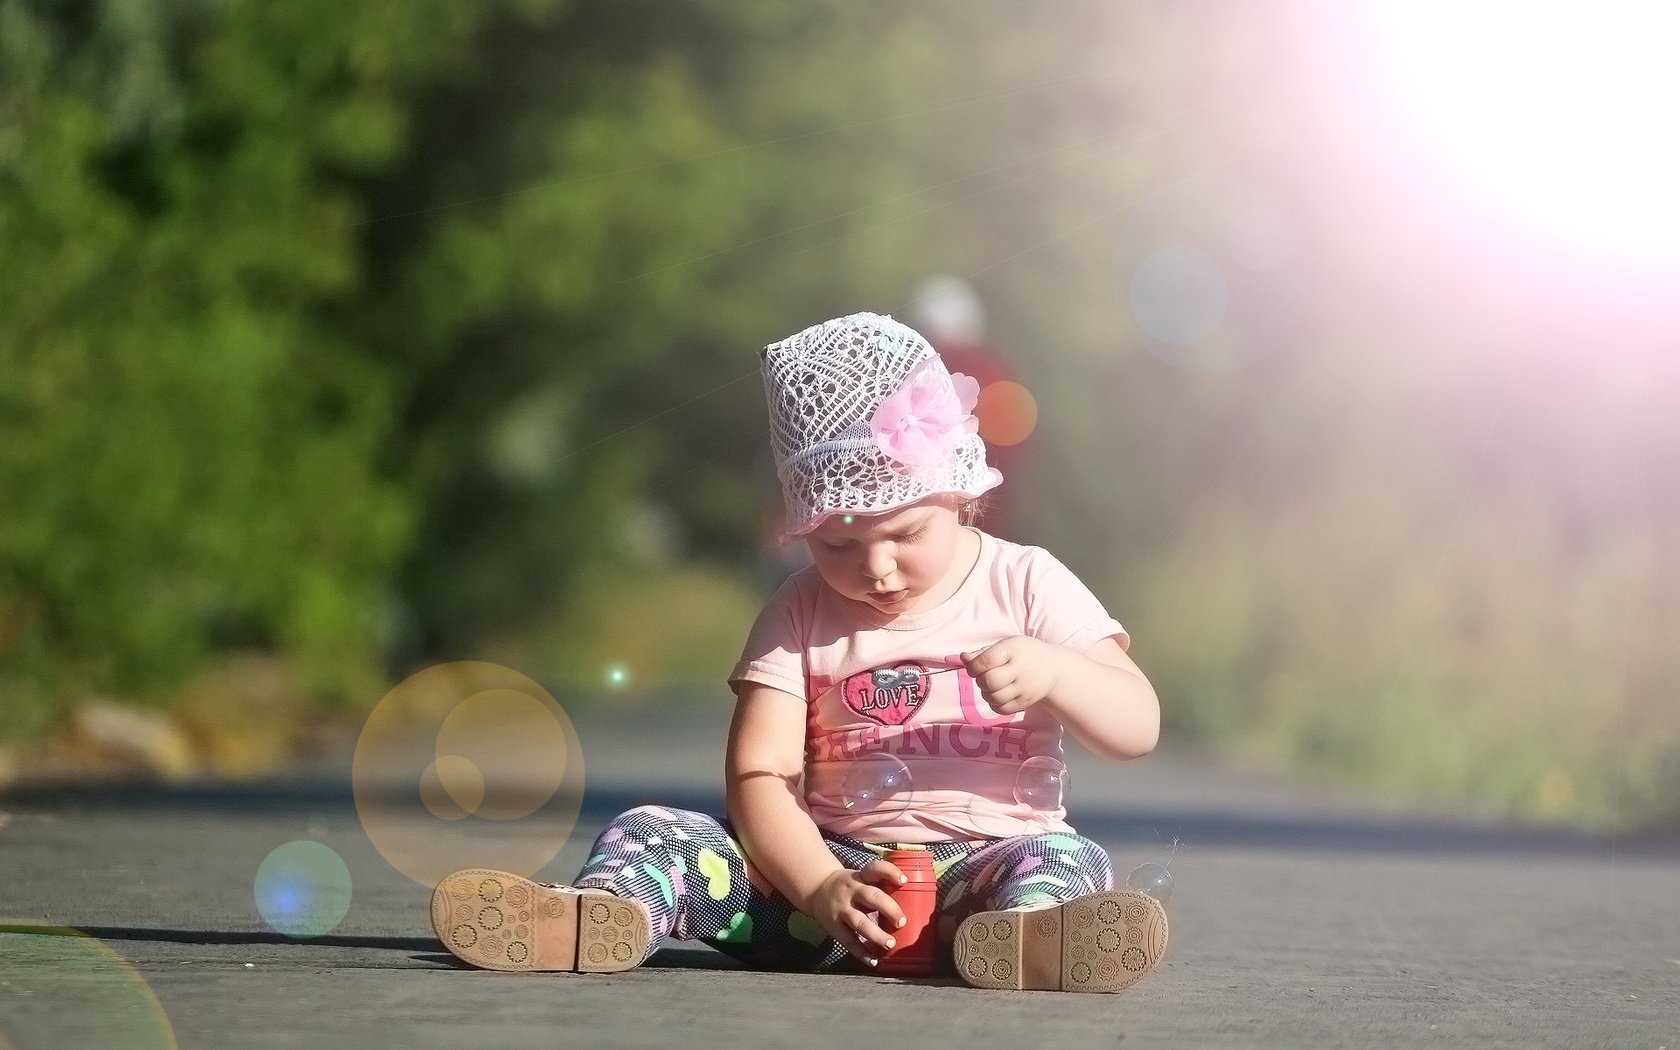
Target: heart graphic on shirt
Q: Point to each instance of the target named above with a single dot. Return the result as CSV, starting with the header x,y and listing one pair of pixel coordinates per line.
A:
x,y
888,695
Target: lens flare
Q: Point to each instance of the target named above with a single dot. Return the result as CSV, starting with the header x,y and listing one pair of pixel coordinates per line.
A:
x,y
452,787
515,742
1262,238
467,764
1554,112
303,889
616,676
60,987
1007,413
1178,295
1211,273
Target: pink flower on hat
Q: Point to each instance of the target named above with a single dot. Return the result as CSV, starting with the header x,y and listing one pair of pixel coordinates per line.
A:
x,y
926,418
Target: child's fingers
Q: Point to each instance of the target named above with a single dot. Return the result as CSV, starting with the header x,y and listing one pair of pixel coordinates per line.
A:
x,y
859,935
882,873
872,941
873,900
1004,695
999,691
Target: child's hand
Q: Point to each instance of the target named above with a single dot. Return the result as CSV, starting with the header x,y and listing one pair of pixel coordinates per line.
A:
x,y
1016,673
843,904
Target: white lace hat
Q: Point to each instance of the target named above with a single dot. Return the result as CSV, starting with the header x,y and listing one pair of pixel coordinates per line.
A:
x,y
864,419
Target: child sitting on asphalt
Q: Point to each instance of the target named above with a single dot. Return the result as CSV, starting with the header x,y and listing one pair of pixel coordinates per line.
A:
x,y
910,687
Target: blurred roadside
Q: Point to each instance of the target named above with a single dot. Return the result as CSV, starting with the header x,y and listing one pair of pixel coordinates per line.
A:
x,y
242,716
333,346
651,641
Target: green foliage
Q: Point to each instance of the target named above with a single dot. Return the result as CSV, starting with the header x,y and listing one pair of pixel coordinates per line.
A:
x,y
311,312
188,437
616,221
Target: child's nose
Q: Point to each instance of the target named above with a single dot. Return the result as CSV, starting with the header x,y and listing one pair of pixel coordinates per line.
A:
x,y
879,563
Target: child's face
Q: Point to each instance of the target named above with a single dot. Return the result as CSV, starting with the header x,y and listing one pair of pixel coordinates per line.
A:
x,y
896,562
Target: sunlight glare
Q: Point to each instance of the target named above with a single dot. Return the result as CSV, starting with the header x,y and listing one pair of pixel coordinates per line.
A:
x,y
1566,112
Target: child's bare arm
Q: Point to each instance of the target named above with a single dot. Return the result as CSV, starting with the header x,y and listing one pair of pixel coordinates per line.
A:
x,y
1103,699
762,774
1100,696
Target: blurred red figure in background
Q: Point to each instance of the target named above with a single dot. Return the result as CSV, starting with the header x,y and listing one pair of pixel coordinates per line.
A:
x,y
948,312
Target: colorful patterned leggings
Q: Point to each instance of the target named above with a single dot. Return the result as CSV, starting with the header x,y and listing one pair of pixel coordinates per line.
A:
x,y
691,873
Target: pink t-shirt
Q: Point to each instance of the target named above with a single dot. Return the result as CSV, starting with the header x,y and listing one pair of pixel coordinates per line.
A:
x,y
894,753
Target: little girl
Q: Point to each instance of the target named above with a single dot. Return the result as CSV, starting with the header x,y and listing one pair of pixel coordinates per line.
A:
x,y
910,686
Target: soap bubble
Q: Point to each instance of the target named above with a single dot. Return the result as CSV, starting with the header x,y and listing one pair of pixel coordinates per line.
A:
x,y
876,783
1042,783
303,889
1153,879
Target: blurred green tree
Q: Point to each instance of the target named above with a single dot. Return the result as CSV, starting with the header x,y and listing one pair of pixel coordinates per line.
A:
x,y
190,443
311,314
610,222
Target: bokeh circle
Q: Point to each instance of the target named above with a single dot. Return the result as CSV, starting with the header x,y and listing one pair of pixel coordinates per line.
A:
x,y
1007,413
60,987
302,889
467,764
1179,295
452,787
1212,273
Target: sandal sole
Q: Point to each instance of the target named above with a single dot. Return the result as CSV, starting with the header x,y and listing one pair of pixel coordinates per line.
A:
x,y
1102,942
499,921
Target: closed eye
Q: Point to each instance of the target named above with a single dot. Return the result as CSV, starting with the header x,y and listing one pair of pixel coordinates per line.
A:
x,y
840,545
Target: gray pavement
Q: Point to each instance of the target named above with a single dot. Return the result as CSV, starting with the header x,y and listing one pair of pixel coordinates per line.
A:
x,y
1298,920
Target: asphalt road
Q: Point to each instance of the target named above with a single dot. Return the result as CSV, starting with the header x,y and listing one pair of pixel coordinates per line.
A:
x,y
1298,920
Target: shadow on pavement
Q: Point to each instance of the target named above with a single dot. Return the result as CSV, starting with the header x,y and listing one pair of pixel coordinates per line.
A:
x,y
422,949
145,933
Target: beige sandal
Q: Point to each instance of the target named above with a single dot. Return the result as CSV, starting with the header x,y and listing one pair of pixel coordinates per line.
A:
x,y
1101,942
500,921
